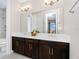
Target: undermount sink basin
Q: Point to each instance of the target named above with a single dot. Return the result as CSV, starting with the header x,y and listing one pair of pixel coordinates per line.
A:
x,y
46,36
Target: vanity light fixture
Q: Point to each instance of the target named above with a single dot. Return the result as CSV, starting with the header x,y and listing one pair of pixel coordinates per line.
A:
x,y
71,10
50,2
26,9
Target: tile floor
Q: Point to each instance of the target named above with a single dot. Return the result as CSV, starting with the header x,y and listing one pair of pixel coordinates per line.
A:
x,y
15,56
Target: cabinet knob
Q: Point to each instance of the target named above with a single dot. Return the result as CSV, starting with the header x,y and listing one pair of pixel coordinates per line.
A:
x,y
17,43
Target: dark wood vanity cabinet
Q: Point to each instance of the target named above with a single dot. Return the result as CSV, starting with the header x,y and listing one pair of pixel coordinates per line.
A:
x,y
39,49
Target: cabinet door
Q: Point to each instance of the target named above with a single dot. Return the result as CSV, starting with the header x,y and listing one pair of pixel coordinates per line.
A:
x,y
44,52
18,45
35,49
29,48
58,51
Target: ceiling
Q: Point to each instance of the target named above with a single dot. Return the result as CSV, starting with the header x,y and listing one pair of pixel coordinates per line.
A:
x,y
22,1
3,3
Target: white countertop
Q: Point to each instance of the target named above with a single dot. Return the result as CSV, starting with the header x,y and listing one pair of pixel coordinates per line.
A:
x,y
45,36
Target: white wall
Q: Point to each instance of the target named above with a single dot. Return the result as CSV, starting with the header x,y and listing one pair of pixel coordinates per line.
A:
x,y
71,27
15,16
12,21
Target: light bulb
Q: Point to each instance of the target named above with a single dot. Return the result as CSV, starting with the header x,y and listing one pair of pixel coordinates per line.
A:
x,y
46,2
54,0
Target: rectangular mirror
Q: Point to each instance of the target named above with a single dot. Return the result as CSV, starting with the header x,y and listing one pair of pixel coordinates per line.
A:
x,y
45,21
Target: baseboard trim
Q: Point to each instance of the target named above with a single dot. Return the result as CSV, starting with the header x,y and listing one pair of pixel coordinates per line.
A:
x,y
11,51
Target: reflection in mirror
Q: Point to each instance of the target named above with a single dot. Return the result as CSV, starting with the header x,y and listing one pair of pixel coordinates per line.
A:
x,y
51,22
3,19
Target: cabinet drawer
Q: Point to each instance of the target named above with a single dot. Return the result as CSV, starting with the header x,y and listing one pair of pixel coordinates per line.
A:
x,y
29,40
18,38
44,43
54,44
58,44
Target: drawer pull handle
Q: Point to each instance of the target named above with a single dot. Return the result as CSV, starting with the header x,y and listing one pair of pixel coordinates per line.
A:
x,y
52,51
17,44
49,50
30,46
